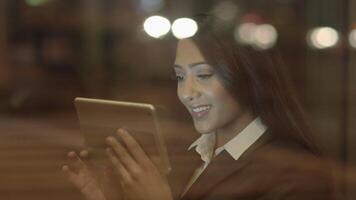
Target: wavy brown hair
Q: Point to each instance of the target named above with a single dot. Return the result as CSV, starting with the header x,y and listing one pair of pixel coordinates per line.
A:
x,y
258,80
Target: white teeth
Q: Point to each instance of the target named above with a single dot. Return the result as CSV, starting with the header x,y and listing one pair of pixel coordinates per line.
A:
x,y
202,108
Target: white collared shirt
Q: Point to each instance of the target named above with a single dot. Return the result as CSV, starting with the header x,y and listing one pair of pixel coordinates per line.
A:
x,y
205,145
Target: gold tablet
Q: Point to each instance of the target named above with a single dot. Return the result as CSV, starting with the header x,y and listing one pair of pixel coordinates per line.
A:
x,y
101,118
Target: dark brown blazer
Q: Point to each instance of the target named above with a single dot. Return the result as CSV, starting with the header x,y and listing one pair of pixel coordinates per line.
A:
x,y
271,169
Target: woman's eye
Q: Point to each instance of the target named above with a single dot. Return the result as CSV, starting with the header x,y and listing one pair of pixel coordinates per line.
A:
x,y
179,78
204,76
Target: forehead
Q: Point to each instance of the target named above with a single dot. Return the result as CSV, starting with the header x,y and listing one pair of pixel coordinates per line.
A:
x,y
188,53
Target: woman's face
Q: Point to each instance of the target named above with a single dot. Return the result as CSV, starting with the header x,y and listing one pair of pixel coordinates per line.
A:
x,y
202,93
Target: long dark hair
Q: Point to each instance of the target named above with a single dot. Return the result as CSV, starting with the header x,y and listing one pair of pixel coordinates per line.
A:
x,y
256,78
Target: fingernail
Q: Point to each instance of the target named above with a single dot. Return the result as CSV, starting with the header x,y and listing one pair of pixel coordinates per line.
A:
x,y
121,131
71,154
109,139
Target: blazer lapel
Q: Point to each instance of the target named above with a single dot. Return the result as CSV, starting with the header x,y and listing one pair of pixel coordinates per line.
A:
x,y
221,168
183,170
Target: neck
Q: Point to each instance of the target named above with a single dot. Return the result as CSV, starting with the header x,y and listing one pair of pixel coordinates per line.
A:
x,y
232,129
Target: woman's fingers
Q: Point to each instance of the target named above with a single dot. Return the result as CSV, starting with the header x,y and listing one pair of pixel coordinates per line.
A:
x,y
71,175
133,147
77,170
71,155
122,153
84,154
85,158
66,170
75,163
123,173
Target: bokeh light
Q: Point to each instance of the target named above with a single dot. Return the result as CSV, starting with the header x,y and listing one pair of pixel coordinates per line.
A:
x,y
265,36
244,33
262,36
323,37
352,38
156,26
184,28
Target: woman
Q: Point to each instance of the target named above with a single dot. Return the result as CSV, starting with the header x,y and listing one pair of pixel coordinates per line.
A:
x,y
254,141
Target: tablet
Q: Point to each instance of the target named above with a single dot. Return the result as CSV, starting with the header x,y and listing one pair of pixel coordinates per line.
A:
x,y
101,118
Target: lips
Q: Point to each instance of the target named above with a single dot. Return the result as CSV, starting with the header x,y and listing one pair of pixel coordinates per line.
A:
x,y
200,111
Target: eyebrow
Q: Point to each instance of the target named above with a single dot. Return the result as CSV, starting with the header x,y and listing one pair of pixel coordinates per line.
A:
x,y
191,65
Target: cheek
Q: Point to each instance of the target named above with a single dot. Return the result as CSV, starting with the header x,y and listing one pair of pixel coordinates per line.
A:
x,y
179,95
181,98
224,100
217,93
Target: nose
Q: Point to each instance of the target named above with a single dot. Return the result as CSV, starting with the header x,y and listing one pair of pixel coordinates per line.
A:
x,y
189,90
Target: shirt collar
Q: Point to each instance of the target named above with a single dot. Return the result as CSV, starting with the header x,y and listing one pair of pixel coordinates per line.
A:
x,y
205,144
242,141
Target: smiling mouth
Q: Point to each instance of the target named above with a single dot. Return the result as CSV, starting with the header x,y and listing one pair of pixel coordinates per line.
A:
x,y
200,111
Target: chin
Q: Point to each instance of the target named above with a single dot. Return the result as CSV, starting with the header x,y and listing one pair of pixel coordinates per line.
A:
x,y
203,130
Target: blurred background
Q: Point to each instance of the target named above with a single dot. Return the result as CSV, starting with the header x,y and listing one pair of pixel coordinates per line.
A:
x,y
54,50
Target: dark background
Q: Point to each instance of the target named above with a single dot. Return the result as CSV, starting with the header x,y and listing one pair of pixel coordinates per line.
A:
x,y
60,49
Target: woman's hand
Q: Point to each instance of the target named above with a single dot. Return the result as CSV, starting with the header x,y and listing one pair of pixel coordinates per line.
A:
x,y
139,177
93,183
